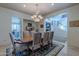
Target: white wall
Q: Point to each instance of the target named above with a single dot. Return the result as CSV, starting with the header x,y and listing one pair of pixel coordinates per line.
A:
x,y
5,24
60,33
73,33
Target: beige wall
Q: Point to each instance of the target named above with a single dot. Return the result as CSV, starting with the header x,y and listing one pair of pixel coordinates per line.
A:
x,y
5,24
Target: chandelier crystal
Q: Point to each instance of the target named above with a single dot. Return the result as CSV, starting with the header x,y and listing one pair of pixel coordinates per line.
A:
x,y
37,17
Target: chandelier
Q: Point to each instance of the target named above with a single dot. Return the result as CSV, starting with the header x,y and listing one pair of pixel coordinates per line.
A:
x,y
37,17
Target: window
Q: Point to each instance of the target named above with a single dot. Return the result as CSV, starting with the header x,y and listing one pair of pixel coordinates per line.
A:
x,y
16,27
58,21
63,22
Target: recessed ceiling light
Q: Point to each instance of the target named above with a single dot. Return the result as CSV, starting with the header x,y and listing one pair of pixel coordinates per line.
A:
x,y
24,5
52,4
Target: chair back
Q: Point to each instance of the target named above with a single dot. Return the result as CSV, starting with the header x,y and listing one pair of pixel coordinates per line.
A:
x,y
37,38
46,37
12,40
51,37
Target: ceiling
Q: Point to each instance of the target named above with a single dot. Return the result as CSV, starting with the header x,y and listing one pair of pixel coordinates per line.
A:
x,y
44,8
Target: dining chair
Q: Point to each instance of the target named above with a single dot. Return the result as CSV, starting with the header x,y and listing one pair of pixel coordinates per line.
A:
x,y
45,40
51,34
36,42
13,43
15,48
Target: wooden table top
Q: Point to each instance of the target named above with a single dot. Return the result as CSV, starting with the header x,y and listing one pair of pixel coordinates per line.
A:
x,y
26,40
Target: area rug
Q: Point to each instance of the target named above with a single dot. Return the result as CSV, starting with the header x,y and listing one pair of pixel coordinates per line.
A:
x,y
46,51
49,51
56,50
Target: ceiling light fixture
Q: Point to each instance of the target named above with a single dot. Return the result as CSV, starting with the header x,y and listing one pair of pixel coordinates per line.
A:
x,y
52,4
24,5
37,17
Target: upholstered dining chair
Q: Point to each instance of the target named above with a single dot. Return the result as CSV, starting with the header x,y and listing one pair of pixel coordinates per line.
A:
x,y
36,41
45,40
14,44
51,34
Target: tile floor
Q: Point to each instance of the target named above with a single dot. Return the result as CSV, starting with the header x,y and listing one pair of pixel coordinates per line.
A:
x,y
69,51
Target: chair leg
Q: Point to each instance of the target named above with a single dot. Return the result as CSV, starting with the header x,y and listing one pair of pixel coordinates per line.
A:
x,y
51,44
13,53
33,52
41,48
